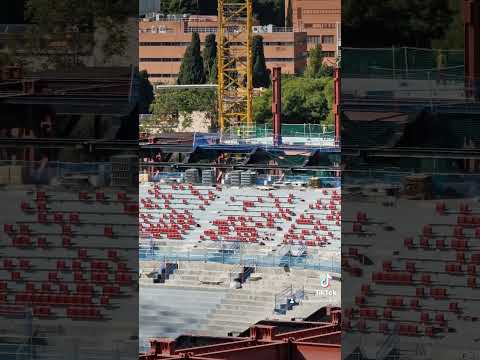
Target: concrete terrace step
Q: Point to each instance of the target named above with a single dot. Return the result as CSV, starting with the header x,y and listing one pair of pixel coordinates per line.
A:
x,y
243,312
251,298
194,285
200,277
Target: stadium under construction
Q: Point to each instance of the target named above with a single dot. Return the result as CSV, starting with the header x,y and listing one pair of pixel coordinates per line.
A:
x,y
237,234
240,232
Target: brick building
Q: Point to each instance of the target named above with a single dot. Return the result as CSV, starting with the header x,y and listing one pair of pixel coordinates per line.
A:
x,y
163,41
321,20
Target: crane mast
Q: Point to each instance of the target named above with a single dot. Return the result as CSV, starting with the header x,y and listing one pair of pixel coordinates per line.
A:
x,y
235,63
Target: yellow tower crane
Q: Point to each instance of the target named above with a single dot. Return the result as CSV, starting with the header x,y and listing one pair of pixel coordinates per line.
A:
x,y
235,63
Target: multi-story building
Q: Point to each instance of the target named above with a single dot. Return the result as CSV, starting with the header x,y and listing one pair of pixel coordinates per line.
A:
x,y
163,41
321,20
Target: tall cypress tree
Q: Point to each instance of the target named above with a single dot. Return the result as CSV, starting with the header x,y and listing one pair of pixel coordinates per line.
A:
x,y
191,69
315,66
289,18
261,76
210,58
146,91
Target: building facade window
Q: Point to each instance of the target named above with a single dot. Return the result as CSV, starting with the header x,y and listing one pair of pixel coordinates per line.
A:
x,y
155,75
160,59
321,11
278,43
178,43
328,39
325,26
165,43
314,39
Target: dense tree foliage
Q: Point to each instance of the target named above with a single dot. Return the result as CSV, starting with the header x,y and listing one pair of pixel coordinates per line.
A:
x,y
173,109
191,68
304,100
316,66
266,11
180,6
385,23
207,7
65,20
210,58
270,11
261,75
454,37
58,16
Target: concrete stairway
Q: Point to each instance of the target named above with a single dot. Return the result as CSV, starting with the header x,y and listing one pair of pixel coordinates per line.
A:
x,y
169,311
240,309
205,275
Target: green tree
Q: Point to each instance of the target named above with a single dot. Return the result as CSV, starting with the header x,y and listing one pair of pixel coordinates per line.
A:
x,y
289,17
270,12
75,22
174,109
191,69
385,23
210,59
146,93
315,62
207,7
214,73
265,11
454,37
180,6
304,100
316,66
261,76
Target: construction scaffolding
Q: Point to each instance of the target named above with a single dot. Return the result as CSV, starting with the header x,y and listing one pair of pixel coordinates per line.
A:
x,y
235,63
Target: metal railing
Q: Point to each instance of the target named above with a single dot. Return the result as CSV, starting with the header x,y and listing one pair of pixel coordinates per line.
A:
x,y
314,134
199,255
283,298
389,344
288,130
32,172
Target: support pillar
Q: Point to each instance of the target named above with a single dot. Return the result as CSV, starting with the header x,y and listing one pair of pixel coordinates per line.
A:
x,y
336,104
277,105
471,13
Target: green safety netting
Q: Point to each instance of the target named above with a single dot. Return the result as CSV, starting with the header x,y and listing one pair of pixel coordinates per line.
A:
x,y
404,62
288,130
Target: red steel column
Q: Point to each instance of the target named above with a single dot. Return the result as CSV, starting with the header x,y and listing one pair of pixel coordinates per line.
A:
x,y
277,105
471,13
336,104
